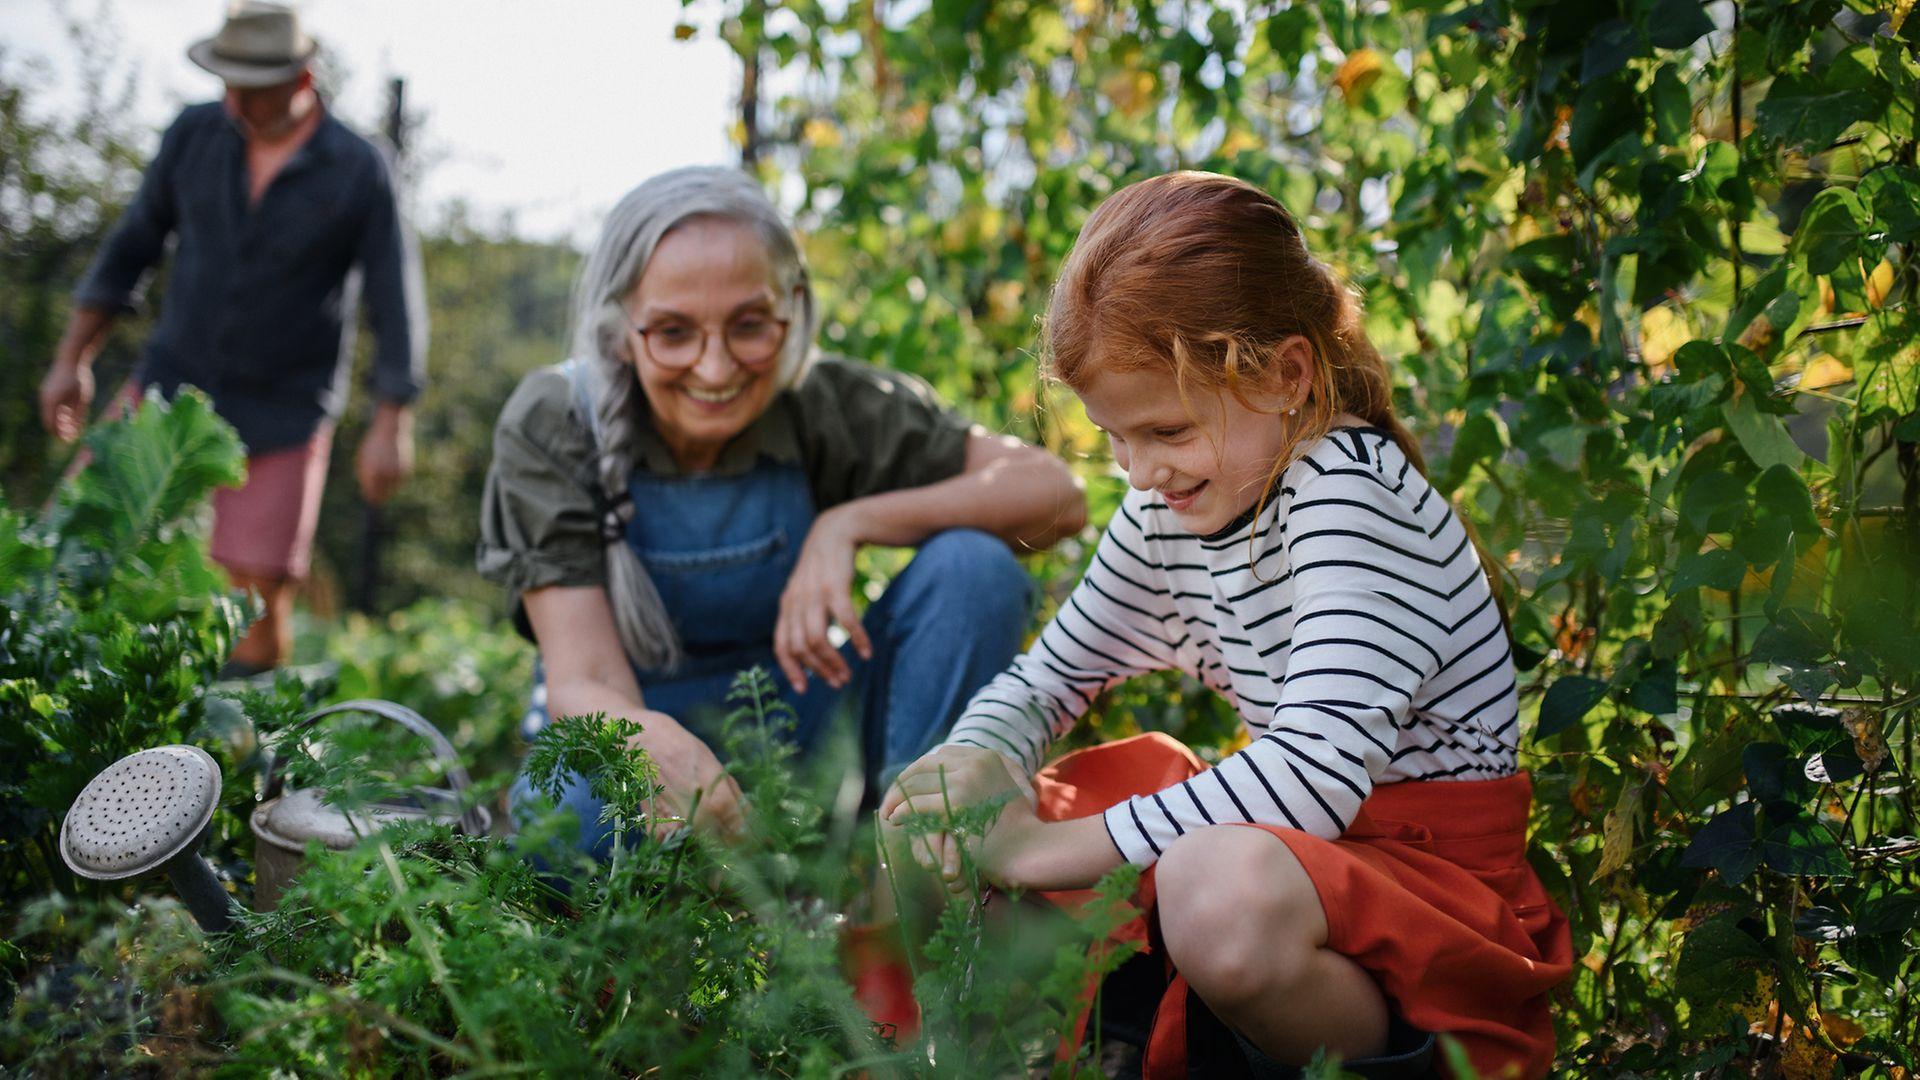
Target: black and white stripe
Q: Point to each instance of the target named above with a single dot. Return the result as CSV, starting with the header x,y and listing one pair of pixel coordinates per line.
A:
x,y
1350,623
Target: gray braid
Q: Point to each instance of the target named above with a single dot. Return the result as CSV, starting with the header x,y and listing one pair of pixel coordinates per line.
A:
x,y
632,231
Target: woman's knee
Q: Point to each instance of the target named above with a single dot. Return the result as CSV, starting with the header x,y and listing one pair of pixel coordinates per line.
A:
x,y
1239,915
973,570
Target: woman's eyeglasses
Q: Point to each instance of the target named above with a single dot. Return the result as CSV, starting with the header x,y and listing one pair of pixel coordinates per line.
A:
x,y
749,339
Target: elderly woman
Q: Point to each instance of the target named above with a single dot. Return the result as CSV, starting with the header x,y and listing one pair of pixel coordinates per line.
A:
x,y
685,496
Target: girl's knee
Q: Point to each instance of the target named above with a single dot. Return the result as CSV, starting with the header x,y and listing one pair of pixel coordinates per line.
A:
x,y
1238,913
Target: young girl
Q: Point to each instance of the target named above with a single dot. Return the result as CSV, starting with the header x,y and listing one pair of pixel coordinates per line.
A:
x,y
1282,545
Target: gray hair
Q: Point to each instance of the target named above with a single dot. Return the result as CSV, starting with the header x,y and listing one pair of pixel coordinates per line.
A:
x,y
632,231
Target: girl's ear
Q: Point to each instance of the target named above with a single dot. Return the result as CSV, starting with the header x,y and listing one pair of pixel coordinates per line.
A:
x,y
1291,372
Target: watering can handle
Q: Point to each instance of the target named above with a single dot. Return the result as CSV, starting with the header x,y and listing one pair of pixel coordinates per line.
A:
x,y
470,821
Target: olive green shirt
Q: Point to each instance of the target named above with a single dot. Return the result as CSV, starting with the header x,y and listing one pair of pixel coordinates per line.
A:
x,y
852,428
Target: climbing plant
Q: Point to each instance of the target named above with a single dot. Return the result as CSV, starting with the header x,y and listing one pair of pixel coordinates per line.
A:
x,y
1644,269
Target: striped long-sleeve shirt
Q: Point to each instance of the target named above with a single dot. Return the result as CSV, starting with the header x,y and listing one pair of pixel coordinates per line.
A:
x,y
1349,621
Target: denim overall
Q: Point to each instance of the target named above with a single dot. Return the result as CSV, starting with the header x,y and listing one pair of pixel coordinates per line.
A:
x,y
720,550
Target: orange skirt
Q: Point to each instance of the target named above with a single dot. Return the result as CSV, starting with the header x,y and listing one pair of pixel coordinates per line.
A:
x,y
1429,890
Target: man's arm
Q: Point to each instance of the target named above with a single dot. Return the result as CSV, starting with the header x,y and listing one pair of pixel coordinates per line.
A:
x,y
66,393
396,310
107,290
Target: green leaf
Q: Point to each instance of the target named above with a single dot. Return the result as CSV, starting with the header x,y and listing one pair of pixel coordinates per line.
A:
x,y
1610,46
1887,912
1713,501
150,471
1720,964
1606,112
1568,700
1676,24
1717,569
1893,195
1796,637
1830,231
1672,106
1804,848
1291,33
1763,437
1726,844
1657,690
1780,492
1800,112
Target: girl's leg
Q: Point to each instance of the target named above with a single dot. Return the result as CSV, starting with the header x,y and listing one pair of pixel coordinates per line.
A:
x,y
951,621
1243,923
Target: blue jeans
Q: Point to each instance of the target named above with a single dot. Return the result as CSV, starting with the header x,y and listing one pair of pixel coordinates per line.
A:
x,y
951,621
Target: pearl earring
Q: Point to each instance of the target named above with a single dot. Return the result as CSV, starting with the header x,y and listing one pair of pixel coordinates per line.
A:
x,y
1295,411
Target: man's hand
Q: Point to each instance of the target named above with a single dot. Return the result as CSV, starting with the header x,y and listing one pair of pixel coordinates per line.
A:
x,y
386,454
819,593
692,778
66,396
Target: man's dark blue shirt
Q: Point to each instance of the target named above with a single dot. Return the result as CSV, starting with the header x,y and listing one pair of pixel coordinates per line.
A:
x,y
259,300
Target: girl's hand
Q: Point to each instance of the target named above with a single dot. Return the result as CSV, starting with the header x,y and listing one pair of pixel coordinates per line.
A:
x,y
692,777
953,778
818,593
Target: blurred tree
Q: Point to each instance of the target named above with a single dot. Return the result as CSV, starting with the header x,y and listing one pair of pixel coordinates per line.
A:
x,y
63,179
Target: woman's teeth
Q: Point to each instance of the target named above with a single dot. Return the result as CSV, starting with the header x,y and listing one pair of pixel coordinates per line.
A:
x,y
713,397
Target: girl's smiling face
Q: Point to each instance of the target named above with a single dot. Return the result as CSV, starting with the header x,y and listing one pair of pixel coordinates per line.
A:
x,y
1209,462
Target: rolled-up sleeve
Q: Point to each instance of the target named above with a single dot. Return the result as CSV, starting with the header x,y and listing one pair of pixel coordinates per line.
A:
x,y
115,279
538,521
395,295
869,430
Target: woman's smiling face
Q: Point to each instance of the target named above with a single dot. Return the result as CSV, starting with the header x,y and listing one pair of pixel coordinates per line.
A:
x,y
706,275
1209,464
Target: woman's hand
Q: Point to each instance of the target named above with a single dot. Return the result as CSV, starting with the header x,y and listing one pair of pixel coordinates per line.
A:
x,y
692,777
819,593
951,778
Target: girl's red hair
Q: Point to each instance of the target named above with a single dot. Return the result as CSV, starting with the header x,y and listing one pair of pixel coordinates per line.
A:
x,y
1207,275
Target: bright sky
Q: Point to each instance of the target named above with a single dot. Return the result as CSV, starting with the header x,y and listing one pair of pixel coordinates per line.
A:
x,y
548,111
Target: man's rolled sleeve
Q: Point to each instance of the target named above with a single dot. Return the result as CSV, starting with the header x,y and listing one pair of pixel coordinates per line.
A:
x,y
395,296
134,246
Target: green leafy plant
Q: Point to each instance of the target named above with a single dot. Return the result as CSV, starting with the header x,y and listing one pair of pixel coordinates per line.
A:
x,y
113,624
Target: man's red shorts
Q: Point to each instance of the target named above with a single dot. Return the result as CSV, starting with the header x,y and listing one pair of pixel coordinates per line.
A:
x,y
265,527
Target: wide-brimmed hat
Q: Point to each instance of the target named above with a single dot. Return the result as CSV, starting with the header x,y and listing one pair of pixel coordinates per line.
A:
x,y
260,44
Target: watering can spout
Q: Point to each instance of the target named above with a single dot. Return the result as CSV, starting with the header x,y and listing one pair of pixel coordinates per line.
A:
x,y
150,811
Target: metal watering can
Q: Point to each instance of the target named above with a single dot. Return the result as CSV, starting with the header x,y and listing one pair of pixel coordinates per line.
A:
x,y
151,811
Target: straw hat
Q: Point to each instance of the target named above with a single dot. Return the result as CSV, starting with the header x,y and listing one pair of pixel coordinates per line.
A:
x,y
261,44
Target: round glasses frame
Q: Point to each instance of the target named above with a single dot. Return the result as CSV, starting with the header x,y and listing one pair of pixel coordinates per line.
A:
x,y
755,355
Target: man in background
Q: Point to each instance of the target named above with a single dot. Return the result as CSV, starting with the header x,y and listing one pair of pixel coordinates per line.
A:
x,y
281,217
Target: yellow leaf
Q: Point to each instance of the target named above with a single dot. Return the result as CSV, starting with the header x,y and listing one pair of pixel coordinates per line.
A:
x,y
820,132
1237,142
1131,92
1825,370
1879,283
1357,72
1617,832
1662,332
1004,298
